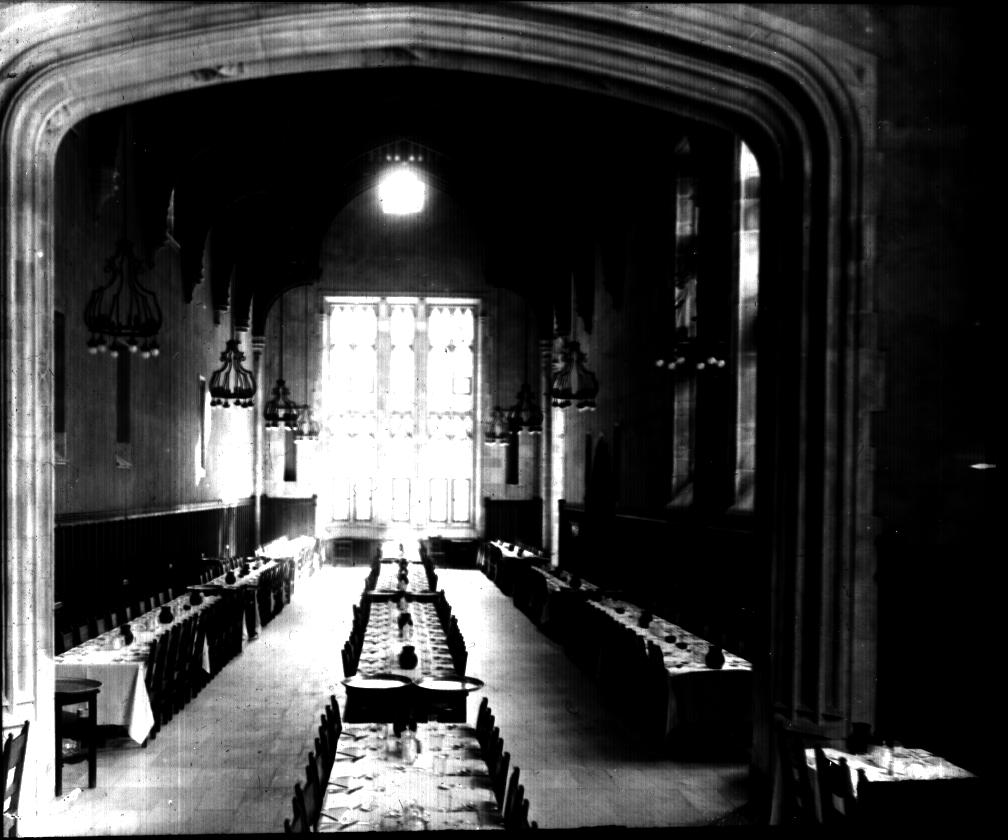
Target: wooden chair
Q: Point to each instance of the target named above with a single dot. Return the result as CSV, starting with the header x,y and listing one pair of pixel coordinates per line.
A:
x,y
499,777
514,794
836,789
797,801
493,750
333,715
156,659
197,676
81,633
11,773
324,757
310,797
298,824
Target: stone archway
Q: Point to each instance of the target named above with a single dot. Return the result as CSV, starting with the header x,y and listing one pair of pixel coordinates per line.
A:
x,y
803,102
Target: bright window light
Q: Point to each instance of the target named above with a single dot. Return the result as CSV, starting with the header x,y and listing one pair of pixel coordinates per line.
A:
x,y
401,192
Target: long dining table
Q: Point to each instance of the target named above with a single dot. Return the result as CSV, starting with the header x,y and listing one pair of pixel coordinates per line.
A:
x,y
700,700
373,788
896,767
383,642
388,578
123,699
242,586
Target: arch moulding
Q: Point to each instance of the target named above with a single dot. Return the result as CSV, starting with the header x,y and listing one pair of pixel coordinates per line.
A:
x,y
803,101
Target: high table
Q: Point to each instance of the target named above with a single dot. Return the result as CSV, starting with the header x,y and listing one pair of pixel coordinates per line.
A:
x,y
123,700
372,789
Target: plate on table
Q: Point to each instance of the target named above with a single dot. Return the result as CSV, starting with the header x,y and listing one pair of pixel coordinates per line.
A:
x,y
459,683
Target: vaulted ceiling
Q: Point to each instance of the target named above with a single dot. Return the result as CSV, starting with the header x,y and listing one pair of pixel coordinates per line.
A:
x,y
246,177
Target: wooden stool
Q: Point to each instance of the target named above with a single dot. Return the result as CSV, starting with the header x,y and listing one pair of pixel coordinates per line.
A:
x,y
68,693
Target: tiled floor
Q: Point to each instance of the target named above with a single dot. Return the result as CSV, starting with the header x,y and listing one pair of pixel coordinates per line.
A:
x,y
229,761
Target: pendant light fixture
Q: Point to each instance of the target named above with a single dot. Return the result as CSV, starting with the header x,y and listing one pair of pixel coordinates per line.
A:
x,y
572,382
495,431
280,410
232,382
307,426
123,314
525,416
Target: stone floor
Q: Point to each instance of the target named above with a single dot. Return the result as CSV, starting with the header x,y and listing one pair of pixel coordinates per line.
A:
x,y
229,761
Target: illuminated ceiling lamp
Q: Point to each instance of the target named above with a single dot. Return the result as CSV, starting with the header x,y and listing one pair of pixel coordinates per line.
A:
x,y
232,382
280,410
573,384
123,314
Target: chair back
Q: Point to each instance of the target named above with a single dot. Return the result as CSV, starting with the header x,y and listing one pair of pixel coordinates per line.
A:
x,y
797,800
12,771
500,777
511,798
836,789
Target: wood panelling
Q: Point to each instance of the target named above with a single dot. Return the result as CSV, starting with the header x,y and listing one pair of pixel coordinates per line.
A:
x,y
518,520
154,424
705,577
282,516
101,563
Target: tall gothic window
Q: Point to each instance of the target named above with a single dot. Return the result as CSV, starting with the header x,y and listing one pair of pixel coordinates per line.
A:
x,y
399,410
745,328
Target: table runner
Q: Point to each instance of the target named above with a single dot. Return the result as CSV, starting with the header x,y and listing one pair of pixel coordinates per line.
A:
x,y
123,699
368,784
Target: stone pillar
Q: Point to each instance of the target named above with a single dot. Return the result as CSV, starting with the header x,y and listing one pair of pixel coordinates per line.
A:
x,y
258,345
482,412
545,446
28,668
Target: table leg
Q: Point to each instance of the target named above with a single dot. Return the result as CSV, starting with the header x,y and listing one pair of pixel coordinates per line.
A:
x,y
92,747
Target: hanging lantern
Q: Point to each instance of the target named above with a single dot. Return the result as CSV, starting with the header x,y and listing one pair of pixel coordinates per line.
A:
x,y
572,381
280,410
308,427
496,431
525,416
123,314
232,382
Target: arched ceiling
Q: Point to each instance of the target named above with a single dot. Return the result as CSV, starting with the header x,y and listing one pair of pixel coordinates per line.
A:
x,y
255,172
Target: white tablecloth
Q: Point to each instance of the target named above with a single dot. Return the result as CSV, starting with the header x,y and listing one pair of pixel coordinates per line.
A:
x,y
697,695
250,581
388,578
382,643
123,698
362,791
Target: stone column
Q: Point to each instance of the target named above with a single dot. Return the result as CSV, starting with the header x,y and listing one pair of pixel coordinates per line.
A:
x,y
545,446
258,345
26,358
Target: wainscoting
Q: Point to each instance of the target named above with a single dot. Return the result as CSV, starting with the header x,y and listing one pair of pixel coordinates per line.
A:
x,y
101,562
290,517
514,520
